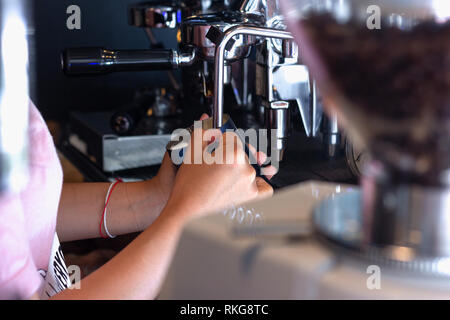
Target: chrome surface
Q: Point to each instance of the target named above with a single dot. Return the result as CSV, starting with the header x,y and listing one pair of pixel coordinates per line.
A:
x,y
339,223
331,135
183,59
155,15
194,32
289,82
220,57
277,118
97,60
401,214
270,9
279,73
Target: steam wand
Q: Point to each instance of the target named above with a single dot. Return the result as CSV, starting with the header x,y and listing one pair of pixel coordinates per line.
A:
x,y
222,43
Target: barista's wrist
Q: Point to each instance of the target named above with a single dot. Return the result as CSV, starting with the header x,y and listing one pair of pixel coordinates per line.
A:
x,y
156,185
176,215
179,210
146,199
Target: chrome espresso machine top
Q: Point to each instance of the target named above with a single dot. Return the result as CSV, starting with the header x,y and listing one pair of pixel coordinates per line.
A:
x,y
259,70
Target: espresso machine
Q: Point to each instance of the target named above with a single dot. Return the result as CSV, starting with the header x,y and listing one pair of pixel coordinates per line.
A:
x,y
222,47
388,238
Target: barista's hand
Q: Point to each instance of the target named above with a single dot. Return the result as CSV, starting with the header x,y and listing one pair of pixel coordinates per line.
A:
x,y
167,172
208,187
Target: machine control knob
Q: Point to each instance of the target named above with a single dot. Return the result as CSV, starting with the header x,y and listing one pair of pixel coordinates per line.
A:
x,y
214,34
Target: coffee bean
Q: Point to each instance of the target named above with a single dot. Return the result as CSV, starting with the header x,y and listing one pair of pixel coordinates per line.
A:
x,y
401,76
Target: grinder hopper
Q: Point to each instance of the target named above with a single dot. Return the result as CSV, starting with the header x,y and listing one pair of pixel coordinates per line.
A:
x,y
383,67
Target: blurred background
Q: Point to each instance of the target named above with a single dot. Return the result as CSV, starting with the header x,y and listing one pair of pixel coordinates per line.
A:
x,y
103,23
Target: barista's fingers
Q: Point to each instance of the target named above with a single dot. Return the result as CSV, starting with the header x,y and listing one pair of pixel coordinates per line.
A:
x,y
269,171
231,139
198,133
168,163
210,136
255,154
232,148
261,158
264,189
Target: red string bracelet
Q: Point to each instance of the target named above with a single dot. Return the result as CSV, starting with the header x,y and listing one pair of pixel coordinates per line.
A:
x,y
103,220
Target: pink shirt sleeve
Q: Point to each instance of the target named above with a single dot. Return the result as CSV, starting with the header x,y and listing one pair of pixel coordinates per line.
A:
x,y
18,276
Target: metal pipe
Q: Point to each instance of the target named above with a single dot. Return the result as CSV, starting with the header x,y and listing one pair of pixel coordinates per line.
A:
x,y
219,61
245,82
153,42
331,135
184,59
96,60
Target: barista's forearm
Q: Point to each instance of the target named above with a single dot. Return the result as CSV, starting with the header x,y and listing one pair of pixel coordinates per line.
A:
x,y
138,270
132,207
